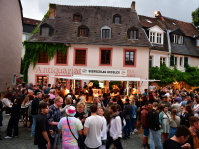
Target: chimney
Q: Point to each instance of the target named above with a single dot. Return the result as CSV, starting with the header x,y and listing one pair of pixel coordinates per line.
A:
x,y
52,11
159,15
133,6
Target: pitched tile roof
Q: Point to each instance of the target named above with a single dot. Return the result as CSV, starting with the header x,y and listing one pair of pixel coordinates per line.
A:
x,y
94,17
171,24
30,21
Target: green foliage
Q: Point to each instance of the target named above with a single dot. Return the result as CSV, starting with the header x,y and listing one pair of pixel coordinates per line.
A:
x,y
32,51
195,17
95,83
111,83
167,75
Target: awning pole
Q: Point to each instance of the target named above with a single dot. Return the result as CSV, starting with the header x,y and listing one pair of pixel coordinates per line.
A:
x,y
127,88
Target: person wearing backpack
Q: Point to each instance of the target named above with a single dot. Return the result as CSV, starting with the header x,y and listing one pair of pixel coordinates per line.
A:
x,y
154,127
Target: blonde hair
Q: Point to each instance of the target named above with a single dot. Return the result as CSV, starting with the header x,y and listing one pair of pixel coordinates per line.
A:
x,y
68,101
81,104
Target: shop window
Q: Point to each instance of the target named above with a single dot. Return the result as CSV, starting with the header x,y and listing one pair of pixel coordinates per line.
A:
x,y
43,57
129,59
83,31
61,81
61,58
105,57
106,32
117,19
42,80
80,57
132,33
77,17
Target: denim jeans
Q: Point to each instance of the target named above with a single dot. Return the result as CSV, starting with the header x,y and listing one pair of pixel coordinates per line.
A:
x,y
155,136
172,132
33,125
127,128
133,124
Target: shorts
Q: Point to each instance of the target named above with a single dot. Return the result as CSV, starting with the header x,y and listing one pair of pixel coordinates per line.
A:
x,y
146,132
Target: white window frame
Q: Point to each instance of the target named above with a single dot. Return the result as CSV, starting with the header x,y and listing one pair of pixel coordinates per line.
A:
x,y
180,39
163,60
106,28
197,42
45,31
156,37
175,61
151,58
181,61
175,39
133,34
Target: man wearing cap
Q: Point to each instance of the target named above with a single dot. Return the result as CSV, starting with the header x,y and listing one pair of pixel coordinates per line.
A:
x,y
92,129
68,125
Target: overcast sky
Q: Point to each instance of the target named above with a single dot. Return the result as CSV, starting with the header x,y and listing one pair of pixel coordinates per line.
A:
x,y
177,9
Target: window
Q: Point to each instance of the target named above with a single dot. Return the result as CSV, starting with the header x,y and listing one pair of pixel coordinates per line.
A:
x,y
61,58
132,33
45,31
105,56
80,57
43,57
77,17
175,61
106,32
178,39
117,19
83,31
186,61
42,80
155,37
159,38
197,42
162,60
151,61
181,61
129,57
152,37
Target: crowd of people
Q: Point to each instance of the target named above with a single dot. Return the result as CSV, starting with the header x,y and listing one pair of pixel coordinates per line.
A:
x,y
167,117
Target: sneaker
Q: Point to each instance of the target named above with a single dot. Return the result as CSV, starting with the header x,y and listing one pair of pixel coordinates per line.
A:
x,y
7,137
135,130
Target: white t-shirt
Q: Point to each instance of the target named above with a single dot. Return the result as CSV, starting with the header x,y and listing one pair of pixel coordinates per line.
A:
x,y
104,130
95,125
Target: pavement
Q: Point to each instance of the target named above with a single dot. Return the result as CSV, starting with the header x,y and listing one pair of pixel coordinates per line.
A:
x,y
25,141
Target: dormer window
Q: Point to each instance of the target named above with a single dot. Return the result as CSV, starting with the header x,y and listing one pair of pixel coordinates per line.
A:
x,y
132,33
83,31
106,32
178,39
117,19
77,17
46,30
155,37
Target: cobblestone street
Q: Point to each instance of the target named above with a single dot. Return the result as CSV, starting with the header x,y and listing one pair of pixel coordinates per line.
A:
x,y
24,141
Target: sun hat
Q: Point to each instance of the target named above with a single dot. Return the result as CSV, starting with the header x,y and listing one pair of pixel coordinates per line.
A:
x,y
71,111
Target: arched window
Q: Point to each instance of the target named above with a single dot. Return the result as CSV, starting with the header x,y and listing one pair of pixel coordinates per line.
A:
x,y
46,30
132,33
83,31
77,17
117,19
105,32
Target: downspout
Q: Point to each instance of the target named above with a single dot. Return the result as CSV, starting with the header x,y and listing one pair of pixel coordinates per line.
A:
x,y
169,46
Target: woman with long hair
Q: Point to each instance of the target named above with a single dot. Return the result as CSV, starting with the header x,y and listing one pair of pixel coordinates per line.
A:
x,y
174,122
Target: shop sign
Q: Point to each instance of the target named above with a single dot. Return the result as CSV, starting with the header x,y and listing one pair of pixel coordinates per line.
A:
x,y
106,72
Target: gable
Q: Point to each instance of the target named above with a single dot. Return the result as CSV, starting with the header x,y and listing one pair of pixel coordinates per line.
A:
x,y
156,29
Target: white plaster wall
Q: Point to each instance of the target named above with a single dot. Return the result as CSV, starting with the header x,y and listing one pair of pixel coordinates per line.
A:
x,y
141,69
156,57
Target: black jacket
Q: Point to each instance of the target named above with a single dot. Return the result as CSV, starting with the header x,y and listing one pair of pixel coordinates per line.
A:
x,y
35,106
127,111
153,120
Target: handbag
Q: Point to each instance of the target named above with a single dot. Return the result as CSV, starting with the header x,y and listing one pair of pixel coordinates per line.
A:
x,y
78,141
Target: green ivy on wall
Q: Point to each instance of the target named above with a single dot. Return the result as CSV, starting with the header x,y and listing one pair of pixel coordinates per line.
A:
x,y
32,51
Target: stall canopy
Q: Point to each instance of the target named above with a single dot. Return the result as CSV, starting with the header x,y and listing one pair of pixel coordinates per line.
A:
x,y
102,78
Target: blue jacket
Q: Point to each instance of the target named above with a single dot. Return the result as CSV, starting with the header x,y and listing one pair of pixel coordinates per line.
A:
x,y
134,111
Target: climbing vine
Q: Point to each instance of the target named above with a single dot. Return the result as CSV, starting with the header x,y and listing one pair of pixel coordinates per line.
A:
x,y
32,51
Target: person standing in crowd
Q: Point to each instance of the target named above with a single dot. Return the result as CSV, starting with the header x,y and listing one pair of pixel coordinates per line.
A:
x,y
54,116
67,102
34,111
133,116
100,112
92,129
178,140
174,122
71,128
14,119
196,106
115,129
7,104
176,104
101,103
1,115
42,132
144,113
154,127
164,118
127,116
45,99
194,129
184,119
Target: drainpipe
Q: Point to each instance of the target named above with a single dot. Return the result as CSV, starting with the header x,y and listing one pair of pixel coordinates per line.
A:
x,y
169,46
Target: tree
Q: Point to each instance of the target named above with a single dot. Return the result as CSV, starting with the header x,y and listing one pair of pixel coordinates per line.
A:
x,y
195,18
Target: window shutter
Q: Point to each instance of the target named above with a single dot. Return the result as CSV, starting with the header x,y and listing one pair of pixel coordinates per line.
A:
x,y
186,61
172,38
172,60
